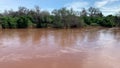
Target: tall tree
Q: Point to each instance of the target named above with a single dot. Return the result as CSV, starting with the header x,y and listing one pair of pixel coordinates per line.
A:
x,y
93,12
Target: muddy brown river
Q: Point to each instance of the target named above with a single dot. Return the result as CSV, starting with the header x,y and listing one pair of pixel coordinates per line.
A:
x,y
60,48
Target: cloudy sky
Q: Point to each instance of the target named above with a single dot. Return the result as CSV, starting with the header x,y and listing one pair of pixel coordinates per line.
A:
x,y
106,6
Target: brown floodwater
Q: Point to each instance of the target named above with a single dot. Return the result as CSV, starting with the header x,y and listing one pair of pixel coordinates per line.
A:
x,y
60,48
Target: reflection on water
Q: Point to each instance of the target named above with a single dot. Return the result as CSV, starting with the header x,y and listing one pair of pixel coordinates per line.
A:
x,y
60,48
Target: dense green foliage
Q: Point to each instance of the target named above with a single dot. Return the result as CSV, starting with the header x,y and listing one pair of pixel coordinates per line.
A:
x,y
61,18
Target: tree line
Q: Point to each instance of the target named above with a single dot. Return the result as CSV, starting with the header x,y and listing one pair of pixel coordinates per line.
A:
x,y
58,18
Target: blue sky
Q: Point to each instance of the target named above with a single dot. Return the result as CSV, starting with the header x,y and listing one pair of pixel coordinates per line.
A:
x,y
106,6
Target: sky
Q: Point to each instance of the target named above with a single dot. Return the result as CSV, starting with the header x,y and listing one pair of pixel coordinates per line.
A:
x,y
106,6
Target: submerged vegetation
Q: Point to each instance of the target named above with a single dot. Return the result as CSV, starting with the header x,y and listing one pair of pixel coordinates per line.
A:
x,y
58,18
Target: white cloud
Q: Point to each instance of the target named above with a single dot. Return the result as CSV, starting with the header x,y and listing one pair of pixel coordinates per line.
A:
x,y
102,3
108,10
77,5
106,6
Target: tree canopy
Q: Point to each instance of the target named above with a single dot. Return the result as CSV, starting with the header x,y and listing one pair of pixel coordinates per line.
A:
x,y
58,18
